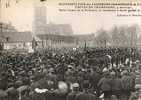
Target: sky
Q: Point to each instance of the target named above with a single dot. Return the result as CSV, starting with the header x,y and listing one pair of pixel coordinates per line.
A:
x,y
21,15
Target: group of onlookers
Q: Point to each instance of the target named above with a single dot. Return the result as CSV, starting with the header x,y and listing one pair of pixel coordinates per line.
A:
x,y
90,74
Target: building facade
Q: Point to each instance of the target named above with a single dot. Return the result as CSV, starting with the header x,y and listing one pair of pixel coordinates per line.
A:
x,y
40,25
59,29
17,41
59,41
40,21
4,27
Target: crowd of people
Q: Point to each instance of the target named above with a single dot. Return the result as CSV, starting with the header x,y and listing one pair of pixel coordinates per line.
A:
x,y
77,74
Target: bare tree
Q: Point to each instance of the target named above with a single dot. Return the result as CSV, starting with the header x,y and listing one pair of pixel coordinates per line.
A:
x,y
115,37
122,36
132,33
102,38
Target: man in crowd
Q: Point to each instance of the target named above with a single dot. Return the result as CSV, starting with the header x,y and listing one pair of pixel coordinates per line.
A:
x,y
127,83
75,91
85,94
105,85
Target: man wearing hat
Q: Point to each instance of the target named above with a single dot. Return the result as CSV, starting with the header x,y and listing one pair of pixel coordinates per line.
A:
x,y
85,95
75,91
105,85
116,86
127,85
12,93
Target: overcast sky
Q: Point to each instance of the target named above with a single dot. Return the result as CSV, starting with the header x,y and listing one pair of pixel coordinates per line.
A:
x,y
21,16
